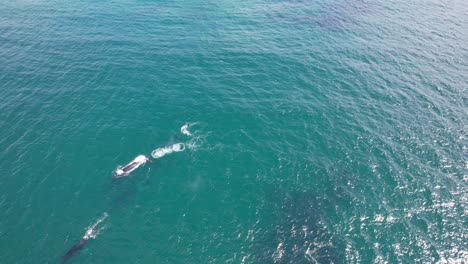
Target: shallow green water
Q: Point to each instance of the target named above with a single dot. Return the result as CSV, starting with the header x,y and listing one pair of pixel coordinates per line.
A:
x,y
326,131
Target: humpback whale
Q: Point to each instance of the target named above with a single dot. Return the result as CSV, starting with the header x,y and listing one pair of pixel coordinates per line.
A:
x,y
91,232
133,165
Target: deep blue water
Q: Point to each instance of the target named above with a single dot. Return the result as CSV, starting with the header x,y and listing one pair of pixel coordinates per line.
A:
x,y
325,131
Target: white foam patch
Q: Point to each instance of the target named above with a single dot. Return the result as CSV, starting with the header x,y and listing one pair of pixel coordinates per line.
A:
x,y
184,129
161,152
379,218
193,144
93,231
279,253
454,255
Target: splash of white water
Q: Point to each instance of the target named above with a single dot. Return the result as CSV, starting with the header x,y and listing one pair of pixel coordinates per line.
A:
x,y
93,231
161,152
184,130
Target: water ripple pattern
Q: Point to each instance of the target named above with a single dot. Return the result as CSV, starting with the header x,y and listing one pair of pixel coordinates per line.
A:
x,y
330,131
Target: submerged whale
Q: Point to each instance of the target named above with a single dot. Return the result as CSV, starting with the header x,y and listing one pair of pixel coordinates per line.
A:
x,y
91,232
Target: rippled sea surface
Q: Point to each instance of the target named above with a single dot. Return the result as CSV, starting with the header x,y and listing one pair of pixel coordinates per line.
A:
x,y
324,131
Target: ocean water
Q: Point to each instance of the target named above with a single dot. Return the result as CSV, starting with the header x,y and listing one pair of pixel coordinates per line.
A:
x,y
324,131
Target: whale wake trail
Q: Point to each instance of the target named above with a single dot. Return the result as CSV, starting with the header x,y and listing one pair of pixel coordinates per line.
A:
x,y
192,144
161,152
196,139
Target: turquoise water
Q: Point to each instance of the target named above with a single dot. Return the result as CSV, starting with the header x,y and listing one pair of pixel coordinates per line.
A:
x,y
325,131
